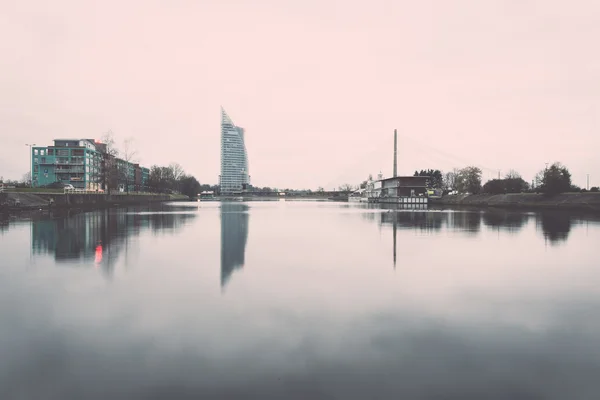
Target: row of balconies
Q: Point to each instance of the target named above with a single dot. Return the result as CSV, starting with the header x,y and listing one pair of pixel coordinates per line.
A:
x,y
56,162
69,170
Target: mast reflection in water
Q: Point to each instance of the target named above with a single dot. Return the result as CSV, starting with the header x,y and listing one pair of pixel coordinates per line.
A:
x,y
555,226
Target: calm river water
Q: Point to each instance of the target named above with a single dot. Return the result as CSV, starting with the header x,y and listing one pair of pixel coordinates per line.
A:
x,y
299,300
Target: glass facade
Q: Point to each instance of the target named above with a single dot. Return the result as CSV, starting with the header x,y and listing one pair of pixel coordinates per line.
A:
x,y
234,177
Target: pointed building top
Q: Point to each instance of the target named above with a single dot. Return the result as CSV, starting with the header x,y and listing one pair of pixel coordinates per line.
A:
x,y
225,120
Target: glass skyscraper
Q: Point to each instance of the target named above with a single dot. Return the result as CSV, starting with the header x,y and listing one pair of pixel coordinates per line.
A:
x,y
234,177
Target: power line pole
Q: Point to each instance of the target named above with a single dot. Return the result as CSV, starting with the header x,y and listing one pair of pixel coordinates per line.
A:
x,y
588,181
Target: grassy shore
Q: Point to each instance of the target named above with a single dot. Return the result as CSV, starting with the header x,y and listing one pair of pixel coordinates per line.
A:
x,y
567,201
20,201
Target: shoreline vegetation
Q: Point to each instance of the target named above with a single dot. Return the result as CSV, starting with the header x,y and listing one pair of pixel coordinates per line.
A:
x,y
586,201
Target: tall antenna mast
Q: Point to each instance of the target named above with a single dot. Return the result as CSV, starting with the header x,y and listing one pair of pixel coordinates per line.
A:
x,y
395,154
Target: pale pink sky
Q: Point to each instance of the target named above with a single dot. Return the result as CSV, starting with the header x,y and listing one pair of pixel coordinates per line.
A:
x,y
319,85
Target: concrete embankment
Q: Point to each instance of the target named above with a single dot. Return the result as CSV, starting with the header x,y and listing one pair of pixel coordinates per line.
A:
x,y
566,201
29,201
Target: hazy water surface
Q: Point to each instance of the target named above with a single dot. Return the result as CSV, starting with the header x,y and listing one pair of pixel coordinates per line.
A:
x,y
300,300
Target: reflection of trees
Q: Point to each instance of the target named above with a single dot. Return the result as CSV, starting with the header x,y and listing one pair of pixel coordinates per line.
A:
x,y
415,219
432,220
511,221
4,222
555,225
465,221
100,236
234,234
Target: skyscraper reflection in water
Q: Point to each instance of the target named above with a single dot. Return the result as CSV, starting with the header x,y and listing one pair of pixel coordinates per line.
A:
x,y
234,235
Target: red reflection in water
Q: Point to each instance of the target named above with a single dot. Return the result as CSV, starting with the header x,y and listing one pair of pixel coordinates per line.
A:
x,y
98,254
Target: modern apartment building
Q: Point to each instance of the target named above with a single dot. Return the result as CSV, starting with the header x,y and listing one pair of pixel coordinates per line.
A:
x,y
234,178
85,164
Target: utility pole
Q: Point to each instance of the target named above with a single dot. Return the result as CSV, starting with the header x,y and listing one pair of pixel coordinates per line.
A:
x,y
30,164
588,181
498,174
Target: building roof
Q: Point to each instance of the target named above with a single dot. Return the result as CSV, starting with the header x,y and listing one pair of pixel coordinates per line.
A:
x,y
92,141
405,177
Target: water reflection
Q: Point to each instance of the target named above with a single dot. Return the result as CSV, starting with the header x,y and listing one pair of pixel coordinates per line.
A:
x,y
506,220
234,234
555,225
464,317
421,220
99,237
468,221
429,221
4,222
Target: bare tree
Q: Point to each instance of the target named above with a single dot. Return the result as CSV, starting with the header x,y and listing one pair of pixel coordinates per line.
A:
x,y
176,170
450,179
109,162
512,174
108,140
346,187
537,180
26,178
127,172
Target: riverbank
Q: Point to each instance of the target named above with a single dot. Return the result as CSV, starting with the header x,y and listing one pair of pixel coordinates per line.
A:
x,y
270,198
566,201
23,201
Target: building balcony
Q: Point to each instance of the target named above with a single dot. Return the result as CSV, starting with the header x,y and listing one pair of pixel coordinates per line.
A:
x,y
69,171
68,163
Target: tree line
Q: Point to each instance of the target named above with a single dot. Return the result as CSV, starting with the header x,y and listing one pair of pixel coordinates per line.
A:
x,y
161,179
550,181
173,179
